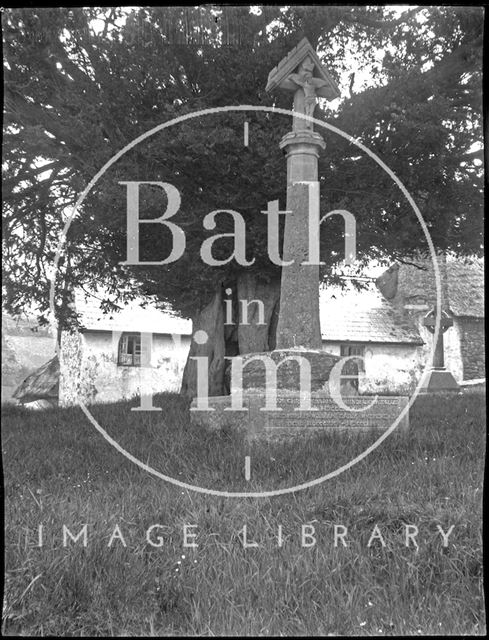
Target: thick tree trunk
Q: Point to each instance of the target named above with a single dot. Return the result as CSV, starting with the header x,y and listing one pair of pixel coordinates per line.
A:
x,y
254,337
234,337
211,320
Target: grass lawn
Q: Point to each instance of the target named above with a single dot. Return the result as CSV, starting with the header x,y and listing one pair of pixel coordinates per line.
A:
x,y
58,470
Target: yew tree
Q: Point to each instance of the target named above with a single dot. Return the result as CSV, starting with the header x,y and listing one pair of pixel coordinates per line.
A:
x,y
82,83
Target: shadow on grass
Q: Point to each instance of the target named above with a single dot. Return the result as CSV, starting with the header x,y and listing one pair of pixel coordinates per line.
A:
x,y
60,471
168,442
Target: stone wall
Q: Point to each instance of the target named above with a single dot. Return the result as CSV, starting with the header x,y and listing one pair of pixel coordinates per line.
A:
x,y
472,345
70,361
285,369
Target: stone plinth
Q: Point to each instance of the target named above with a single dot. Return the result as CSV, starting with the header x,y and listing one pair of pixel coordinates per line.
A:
x,y
439,380
287,366
286,392
290,421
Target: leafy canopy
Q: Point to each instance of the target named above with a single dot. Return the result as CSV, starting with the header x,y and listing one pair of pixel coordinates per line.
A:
x,y
82,83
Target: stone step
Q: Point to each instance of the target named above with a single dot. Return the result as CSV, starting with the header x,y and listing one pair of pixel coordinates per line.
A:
x,y
256,418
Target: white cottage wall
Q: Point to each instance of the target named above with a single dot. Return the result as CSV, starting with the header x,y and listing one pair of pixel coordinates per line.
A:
x,y
93,372
452,346
389,368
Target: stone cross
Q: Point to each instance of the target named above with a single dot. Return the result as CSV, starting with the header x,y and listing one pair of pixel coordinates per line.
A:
x,y
438,378
305,96
302,73
429,321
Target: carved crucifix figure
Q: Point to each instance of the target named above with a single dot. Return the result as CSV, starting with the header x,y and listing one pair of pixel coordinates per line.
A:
x,y
305,97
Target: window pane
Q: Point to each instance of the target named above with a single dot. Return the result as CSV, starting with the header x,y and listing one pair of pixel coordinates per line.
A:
x,y
137,345
123,345
130,350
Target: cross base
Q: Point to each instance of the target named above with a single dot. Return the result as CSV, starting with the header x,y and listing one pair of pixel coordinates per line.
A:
x,y
439,380
256,422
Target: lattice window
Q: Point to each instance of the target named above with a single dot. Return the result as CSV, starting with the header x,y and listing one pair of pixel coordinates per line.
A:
x,y
130,350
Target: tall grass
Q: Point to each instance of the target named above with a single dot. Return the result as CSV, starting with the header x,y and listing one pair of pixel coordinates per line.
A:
x,y
59,471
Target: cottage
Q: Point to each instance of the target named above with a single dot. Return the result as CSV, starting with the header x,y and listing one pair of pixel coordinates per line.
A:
x,y
410,289
362,323
384,323
109,358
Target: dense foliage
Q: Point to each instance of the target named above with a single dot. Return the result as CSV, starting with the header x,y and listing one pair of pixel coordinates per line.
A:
x,y
82,83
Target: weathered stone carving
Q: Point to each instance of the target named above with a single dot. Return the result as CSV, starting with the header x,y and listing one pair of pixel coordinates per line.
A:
x,y
306,97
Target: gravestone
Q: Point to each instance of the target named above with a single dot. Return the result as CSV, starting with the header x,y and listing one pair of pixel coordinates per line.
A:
x,y
438,378
268,395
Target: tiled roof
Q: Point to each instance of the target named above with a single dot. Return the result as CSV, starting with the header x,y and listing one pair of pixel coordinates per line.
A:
x,y
362,316
466,288
462,285
346,315
132,317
